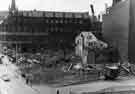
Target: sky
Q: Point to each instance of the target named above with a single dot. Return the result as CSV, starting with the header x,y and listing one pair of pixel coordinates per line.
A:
x,y
58,5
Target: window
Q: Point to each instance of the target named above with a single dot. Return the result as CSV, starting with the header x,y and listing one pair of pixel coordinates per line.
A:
x,y
89,37
29,13
61,29
56,21
61,21
49,14
47,21
19,28
4,28
70,20
12,28
56,29
51,21
65,21
25,28
80,22
90,44
78,42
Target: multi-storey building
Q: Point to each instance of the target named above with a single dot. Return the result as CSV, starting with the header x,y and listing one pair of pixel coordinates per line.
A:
x,y
43,29
119,28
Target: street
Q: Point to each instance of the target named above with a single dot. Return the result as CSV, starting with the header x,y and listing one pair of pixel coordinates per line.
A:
x,y
11,82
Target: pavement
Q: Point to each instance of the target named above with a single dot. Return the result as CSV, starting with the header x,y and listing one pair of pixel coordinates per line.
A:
x,y
15,87
11,81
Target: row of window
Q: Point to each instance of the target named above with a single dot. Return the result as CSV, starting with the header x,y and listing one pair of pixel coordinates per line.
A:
x,y
29,27
52,21
53,14
25,29
3,28
19,28
22,38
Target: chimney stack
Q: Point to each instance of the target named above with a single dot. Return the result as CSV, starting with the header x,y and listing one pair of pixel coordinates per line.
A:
x,y
92,9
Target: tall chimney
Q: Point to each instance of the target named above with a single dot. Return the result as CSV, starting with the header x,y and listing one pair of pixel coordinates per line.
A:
x,y
92,9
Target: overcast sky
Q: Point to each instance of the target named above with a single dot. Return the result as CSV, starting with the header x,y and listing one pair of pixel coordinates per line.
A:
x,y
57,5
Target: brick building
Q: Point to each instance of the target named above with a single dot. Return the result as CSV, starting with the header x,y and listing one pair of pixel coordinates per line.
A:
x,y
43,29
119,28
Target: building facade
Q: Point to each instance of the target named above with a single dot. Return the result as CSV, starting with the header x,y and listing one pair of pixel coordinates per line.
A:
x,y
44,29
119,29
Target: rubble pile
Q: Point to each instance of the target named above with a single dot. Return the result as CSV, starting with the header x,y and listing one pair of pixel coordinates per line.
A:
x,y
39,67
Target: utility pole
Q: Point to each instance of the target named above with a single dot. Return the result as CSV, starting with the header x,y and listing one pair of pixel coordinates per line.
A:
x,y
16,52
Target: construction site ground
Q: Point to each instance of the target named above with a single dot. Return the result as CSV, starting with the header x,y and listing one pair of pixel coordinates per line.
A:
x,y
122,85
15,85
47,75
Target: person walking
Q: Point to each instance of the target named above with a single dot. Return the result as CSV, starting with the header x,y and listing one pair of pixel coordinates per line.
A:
x,y
58,92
